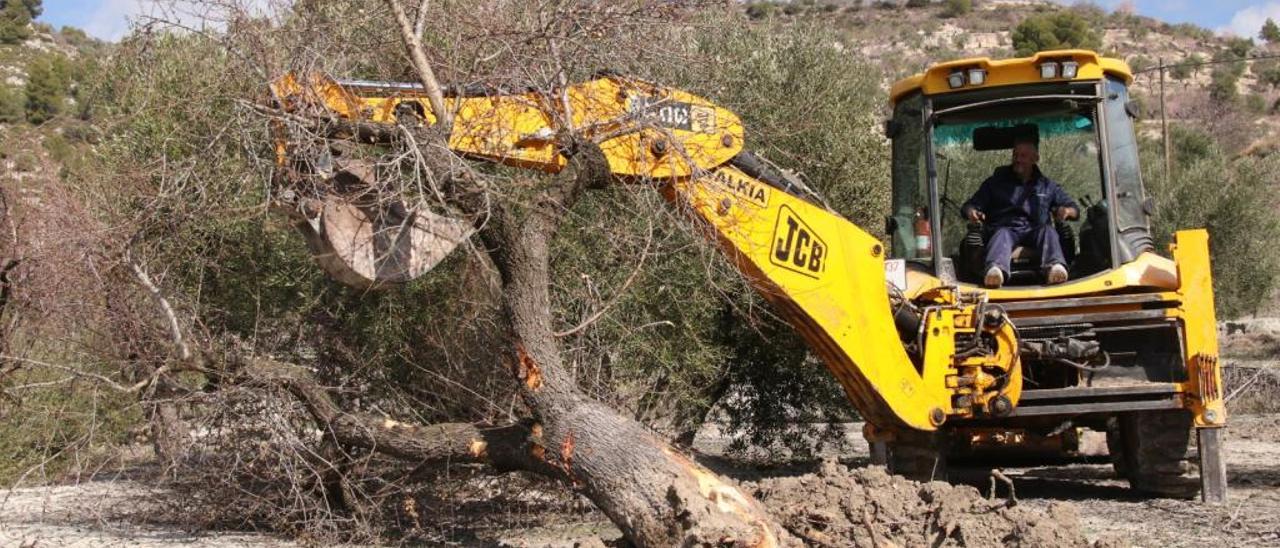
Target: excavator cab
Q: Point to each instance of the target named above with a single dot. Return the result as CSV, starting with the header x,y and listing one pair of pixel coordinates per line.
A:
x,y
946,144
1126,347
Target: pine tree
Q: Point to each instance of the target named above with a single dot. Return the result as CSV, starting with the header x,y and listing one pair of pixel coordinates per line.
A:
x,y
1270,31
15,19
48,80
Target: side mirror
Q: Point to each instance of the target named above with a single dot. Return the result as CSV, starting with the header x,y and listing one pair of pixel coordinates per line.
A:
x,y
1149,206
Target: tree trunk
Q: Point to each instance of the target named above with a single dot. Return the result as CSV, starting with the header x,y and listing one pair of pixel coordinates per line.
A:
x,y
654,494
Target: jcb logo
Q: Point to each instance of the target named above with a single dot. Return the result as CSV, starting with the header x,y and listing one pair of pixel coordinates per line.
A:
x,y
796,247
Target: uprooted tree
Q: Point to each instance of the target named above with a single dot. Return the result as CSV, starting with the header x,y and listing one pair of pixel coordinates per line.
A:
x,y
652,492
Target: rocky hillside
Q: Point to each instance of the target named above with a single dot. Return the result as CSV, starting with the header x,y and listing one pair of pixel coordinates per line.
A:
x,y
905,36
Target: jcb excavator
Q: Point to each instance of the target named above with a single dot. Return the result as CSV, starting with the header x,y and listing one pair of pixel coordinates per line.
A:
x,y
938,366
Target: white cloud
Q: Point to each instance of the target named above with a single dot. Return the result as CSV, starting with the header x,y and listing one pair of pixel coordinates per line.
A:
x,y
113,19
1248,21
110,20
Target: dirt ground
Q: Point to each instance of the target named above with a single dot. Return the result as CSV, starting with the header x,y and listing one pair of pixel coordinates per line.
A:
x,y
840,501
831,503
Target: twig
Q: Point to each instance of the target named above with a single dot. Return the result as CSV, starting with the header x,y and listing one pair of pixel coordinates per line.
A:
x,y
617,296
1013,496
1246,384
73,371
871,530
420,25
175,328
418,55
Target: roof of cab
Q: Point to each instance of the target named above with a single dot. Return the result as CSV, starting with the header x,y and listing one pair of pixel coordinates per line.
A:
x,y
1006,72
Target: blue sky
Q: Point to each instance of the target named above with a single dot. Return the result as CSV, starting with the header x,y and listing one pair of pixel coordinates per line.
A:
x,y
109,18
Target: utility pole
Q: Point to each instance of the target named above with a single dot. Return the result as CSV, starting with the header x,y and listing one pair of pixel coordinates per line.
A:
x,y
1164,131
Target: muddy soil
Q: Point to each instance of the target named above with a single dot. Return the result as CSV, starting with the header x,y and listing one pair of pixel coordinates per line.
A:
x,y
868,508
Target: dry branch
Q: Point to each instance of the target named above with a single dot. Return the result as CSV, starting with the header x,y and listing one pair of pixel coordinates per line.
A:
x,y
504,447
418,56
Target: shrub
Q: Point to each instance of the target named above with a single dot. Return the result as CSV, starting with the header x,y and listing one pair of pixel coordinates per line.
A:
x,y
1191,30
48,81
1140,63
1270,31
1225,75
15,19
1187,67
1240,47
1064,29
1235,200
13,105
1255,103
956,8
1268,72
760,10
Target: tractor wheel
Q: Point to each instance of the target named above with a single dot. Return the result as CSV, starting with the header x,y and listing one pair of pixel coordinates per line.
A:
x,y
918,457
1149,449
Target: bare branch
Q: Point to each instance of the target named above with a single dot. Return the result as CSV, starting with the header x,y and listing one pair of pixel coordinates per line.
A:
x,y
621,291
421,24
171,318
71,371
418,56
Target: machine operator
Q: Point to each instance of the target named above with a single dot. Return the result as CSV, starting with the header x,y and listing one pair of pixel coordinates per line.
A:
x,y
1018,205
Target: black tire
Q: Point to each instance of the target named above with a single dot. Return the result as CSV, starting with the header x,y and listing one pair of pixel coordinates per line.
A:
x,y
918,458
1149,449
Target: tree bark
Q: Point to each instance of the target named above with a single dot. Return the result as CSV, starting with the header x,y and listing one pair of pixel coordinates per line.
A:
x,y
654,494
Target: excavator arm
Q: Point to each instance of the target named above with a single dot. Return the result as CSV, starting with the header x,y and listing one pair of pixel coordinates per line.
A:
x,y
903,365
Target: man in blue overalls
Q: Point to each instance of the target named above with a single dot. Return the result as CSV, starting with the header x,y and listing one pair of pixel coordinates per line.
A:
x,y
1017,202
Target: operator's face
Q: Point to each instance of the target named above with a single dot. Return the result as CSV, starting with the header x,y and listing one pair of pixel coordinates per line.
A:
x,y
1025,157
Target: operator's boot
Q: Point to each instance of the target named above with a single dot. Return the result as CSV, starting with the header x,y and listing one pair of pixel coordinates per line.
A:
x,y
994,278
1057,274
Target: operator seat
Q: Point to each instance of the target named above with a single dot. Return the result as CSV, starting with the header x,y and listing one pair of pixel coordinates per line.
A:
x,y
1024,268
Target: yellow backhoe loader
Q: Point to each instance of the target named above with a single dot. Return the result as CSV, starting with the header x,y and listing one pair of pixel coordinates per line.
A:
x,y
939,366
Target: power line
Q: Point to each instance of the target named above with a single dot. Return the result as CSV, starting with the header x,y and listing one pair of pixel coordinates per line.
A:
x,y
1204,63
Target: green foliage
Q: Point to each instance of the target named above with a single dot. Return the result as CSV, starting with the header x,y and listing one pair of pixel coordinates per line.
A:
x,y
1139,63
957,8
1139,32
13,105
48,83
53,432
1235,200
1191,30
918,3
1058,30
1186,68
708,333
15,16
1268,72
1240,47
15,19
1225,75
1255,104
1270,31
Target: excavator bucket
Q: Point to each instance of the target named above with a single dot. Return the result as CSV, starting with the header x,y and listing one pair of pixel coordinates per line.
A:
x,y
374,244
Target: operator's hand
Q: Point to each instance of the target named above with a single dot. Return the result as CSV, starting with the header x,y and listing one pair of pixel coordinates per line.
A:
x,y
976,216
1065,213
